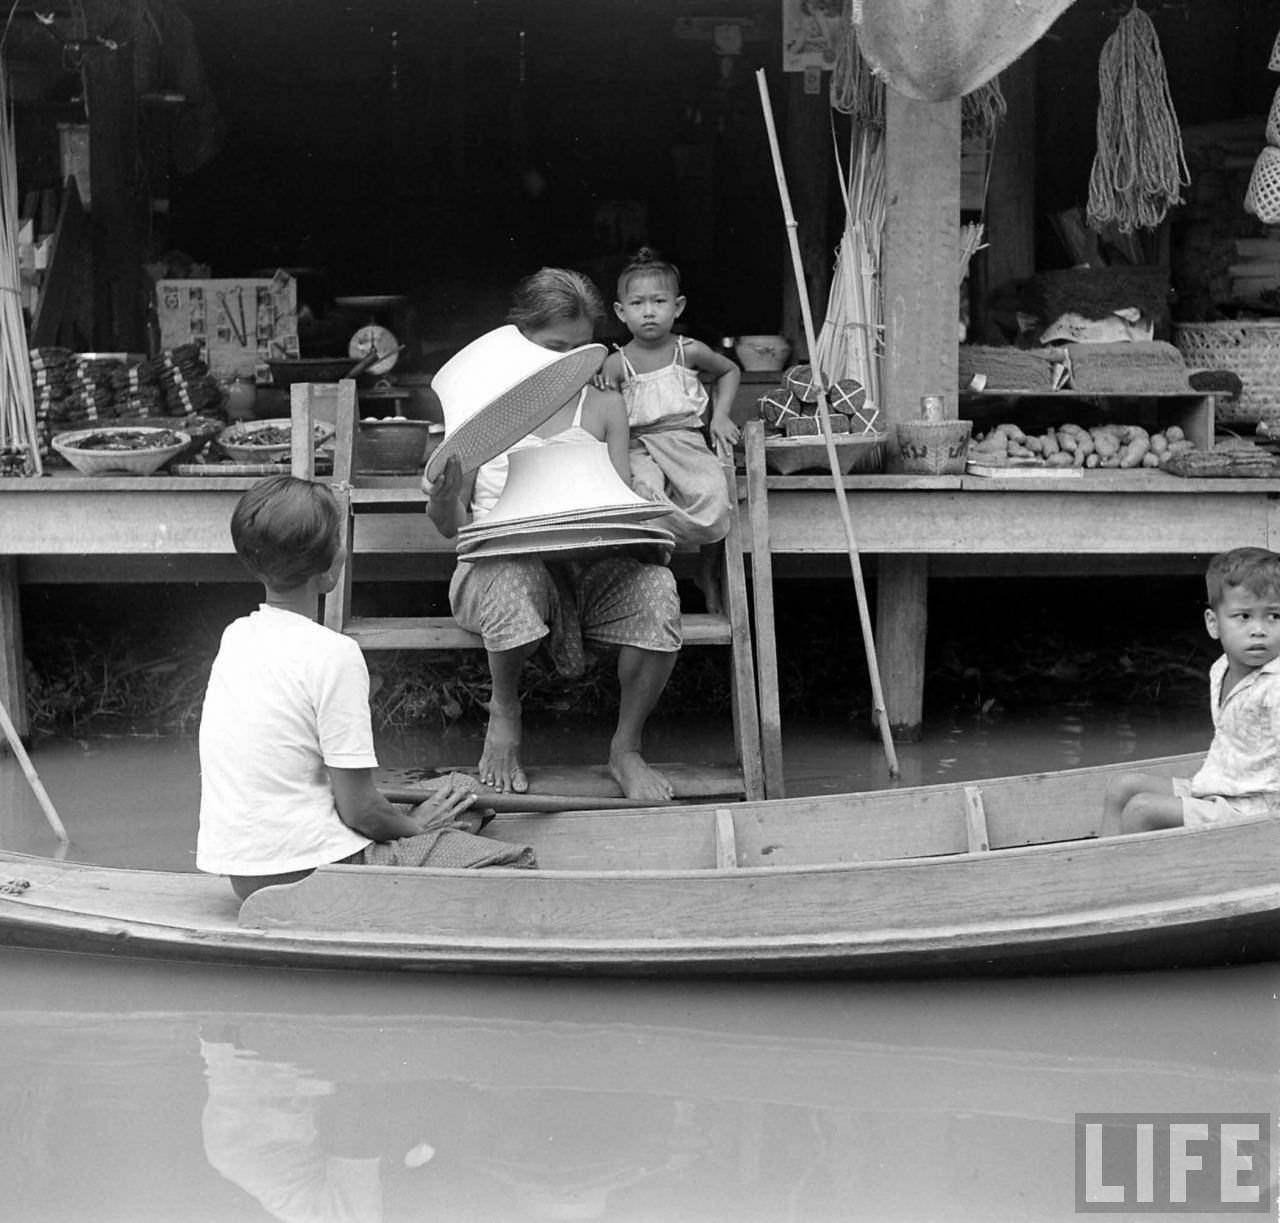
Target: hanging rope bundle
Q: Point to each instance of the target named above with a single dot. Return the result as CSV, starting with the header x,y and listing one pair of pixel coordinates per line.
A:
x,y
1139,169
855,89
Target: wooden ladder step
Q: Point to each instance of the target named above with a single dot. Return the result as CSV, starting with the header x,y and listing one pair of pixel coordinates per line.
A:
x,y
443,633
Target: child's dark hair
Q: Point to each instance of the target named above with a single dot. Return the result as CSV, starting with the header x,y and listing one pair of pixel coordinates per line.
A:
x,y
1257,570
647,262
285,530
550,294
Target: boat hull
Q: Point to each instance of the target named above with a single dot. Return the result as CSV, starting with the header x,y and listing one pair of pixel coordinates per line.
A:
x,y
1000,877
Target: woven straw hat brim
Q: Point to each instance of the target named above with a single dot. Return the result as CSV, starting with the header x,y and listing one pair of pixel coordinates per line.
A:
x,y
517,411
487,528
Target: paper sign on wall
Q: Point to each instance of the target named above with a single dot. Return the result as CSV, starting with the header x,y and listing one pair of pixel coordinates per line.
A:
x,y
238,323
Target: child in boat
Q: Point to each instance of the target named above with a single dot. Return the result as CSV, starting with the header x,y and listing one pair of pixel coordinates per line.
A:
x,y
286,741
1240,777
658,374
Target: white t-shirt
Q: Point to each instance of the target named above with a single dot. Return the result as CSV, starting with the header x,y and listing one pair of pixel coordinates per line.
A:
x,y
286,697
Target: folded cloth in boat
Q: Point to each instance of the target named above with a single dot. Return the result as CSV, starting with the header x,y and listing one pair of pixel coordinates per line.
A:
x,y
450,848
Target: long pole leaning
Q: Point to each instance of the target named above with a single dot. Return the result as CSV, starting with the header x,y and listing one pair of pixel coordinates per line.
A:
x,y
33,778
824,416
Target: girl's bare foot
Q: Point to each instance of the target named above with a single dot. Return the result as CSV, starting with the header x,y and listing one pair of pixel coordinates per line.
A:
x,y
708,582
500,761
637,778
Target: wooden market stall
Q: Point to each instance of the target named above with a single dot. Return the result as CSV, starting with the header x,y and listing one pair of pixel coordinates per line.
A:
x,y
67,527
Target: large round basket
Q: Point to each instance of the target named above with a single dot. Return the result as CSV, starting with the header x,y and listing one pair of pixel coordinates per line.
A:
x,y
1249,349
136,450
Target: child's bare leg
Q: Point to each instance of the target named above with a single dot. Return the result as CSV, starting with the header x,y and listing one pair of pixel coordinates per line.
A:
x,y
500,760
1133,790
708,579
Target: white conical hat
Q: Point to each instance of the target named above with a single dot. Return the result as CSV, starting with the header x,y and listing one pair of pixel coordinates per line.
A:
x,y
501,387
560,478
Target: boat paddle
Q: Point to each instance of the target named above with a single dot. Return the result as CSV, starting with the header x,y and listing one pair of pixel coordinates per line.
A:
x,y
33,778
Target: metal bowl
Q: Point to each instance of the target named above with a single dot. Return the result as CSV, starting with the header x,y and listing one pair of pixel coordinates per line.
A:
x,y
310,369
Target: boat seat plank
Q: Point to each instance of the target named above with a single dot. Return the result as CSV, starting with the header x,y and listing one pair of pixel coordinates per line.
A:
x,y
647,839
726,844
443,632
976,821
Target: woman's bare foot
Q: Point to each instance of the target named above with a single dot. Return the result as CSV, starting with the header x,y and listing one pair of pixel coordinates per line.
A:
x,y
500,761
637,778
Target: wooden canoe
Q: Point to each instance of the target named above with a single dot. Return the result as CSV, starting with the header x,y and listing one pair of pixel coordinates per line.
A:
x,y
1000,876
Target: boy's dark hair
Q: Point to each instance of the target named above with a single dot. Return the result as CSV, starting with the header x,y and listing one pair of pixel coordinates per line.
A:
x,y
647,262
550,294
1257,570
286,530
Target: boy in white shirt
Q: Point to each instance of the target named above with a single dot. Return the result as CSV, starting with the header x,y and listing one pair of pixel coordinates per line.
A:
x,y
286,741
1240,777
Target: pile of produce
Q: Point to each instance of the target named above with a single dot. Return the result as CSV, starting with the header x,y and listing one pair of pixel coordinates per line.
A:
x,y
1073,445
130,439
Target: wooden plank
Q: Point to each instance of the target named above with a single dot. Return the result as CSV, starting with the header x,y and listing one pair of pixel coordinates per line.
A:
x,y
56,318
690,781
443,632
775,785
922,236
726,846
13,682
975,819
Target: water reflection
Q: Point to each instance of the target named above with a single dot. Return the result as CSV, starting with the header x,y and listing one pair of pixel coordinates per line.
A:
x,y
142,1092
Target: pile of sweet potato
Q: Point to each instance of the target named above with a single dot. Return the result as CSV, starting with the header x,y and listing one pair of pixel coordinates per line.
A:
x,y
1075,446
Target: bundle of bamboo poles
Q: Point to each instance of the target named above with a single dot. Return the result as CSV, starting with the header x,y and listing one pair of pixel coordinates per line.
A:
x,y
851,342
19,433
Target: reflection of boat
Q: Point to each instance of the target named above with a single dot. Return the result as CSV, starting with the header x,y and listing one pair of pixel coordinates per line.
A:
x,y
1005,875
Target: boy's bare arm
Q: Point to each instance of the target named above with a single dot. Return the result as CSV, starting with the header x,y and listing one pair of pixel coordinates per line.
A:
x,y
362,808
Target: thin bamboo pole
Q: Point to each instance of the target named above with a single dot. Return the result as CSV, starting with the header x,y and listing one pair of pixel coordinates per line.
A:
x,y
824,415
33,778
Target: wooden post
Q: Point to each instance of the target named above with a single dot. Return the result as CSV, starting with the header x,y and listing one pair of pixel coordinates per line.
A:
x,y
13,686
118,207
921,313
808,155
1011,194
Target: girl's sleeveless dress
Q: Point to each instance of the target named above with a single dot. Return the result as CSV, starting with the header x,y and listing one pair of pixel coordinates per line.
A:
x,y
670,459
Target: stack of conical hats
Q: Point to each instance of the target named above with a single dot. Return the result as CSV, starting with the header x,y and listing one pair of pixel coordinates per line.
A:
x,y
565,500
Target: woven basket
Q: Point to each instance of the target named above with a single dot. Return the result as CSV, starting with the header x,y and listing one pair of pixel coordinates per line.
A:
x,y
1262,196
1250,350
934,447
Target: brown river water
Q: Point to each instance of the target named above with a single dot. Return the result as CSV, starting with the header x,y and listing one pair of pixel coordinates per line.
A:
x,y
137,1092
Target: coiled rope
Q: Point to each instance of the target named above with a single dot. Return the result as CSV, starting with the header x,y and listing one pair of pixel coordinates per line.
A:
x,y
1139,168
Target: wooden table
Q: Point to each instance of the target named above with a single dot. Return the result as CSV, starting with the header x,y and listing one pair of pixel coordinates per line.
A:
x,y
75,528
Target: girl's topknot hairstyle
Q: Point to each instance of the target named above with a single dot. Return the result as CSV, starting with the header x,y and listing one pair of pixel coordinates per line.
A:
x,y
551,294
286,530
647,262
1256,570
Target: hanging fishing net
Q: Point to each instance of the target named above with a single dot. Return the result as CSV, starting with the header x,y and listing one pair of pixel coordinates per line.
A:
x,y
933,50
